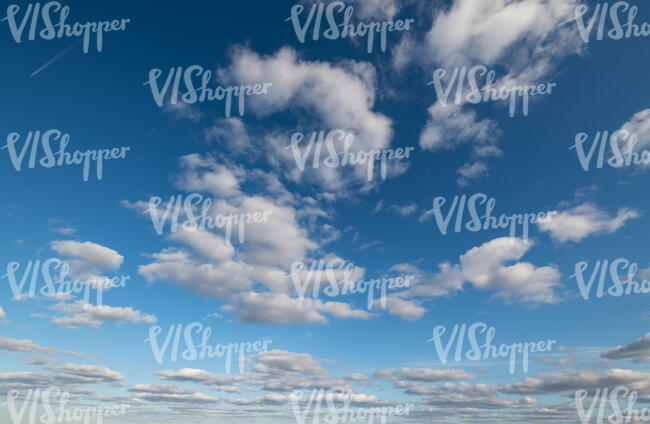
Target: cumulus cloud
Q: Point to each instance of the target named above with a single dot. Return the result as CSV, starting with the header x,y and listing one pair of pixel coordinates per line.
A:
x,y
528,37
639,350
253,277
23,346
584,220
93,254
405,210
340,97
335,96
86,374
223,383
204,174
182,110
525,38
277,371
279,308
82,313
280,362
638,126
169,393
275,309
472,171
428,375
577,379
378,8
66,231
486,267
279,241
67,377
87,262
231,132
451,125
406,309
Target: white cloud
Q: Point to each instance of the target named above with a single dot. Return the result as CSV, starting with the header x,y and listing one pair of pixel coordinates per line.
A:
x,y
282,362
232,132
81,313
209,279
224,383
87,374
67,377
380,9
66,231
485,268
405,210
279,241
451,125
584,220
638,126
339,96
445,281
429,375
252,278
406,309
639,350
23,346
272,308
169,393
343,310
279,308
577,379
203,174
91,254
182,110
527,36
472,171
209,245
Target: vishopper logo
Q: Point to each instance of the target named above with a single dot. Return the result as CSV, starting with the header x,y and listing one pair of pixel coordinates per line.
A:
x,y
342,284
489,351
345,29
66,288
618,30
488,92
63,414
204,92
48,161
615,268
64,30
344,139
344,413
489,222
619,415
206,221
206,351
621,157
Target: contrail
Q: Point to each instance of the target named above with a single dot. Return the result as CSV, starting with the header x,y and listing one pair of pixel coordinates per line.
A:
x,y
55,58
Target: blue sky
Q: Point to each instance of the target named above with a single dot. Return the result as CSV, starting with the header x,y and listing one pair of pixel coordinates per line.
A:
x,y
383,227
